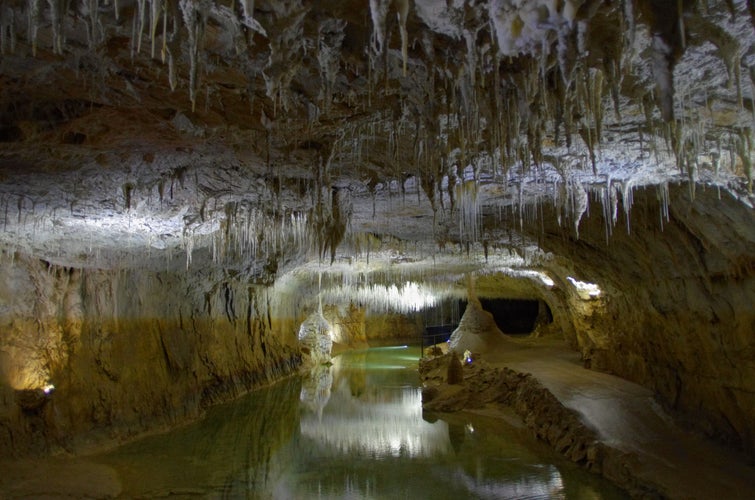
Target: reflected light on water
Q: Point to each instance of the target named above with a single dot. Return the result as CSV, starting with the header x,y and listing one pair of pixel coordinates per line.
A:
x,y
525,488
390,426
373,409
351,430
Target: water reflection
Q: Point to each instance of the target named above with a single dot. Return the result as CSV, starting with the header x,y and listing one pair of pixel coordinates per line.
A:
x,y
369,413
351,430
239,450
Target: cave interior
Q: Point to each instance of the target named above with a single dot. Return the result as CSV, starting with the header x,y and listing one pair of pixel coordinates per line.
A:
x,y
189,188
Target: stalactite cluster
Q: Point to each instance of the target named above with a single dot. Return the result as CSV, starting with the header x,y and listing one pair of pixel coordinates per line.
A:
x,y
473,107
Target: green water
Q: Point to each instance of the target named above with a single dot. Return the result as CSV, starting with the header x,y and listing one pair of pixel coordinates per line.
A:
x,y
349,431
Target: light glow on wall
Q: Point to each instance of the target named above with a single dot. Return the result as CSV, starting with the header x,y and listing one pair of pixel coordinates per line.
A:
x,y
405,298
586,291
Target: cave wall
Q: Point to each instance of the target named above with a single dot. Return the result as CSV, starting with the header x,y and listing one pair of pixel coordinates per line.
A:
x,y
127,351
388,327
676,309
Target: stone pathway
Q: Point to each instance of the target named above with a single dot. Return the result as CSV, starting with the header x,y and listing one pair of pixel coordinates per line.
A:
x,y
626,417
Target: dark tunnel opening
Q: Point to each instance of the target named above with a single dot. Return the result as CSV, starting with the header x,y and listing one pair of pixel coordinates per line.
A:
x,y
515,316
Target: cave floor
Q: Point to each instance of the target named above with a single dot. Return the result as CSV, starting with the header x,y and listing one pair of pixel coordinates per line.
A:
x,y
627,417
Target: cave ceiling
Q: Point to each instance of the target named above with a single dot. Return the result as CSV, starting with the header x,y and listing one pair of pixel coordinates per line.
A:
x,y
253,134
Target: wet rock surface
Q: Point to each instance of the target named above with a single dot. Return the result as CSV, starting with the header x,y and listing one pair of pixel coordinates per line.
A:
x,y
122,353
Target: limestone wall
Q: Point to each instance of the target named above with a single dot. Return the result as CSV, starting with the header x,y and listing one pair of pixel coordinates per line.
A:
x,y
675,311
126,351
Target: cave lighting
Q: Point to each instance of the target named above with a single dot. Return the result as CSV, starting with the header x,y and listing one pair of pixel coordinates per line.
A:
x,y
585,290
408,297
533,275
547,281
396,426
414,298
47,389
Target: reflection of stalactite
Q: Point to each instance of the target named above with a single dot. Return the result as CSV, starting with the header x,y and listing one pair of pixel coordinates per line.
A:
x,y
315,389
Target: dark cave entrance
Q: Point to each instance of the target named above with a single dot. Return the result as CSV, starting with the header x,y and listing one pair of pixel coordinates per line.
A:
x,y
515,316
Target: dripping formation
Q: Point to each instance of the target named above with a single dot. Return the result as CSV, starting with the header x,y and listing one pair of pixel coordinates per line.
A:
x,y
397,110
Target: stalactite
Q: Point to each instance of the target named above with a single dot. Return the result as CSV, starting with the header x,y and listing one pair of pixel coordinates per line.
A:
x,y
33,9
164,49
469,213
743,145
93,25
378,13
666,48
403,14
141,13
154,18
57,14
330,38
172,79
7,30
248,8
195,19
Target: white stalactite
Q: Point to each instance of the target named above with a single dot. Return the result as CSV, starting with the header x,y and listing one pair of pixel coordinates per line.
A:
x,y
403,14
33,8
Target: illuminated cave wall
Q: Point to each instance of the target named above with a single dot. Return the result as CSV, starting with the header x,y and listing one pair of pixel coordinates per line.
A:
x,y
675,311
127,350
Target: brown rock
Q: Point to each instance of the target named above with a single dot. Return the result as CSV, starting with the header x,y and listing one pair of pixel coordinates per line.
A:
x,y
455,373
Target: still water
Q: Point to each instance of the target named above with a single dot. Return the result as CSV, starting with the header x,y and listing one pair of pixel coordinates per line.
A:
x,y
353,430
